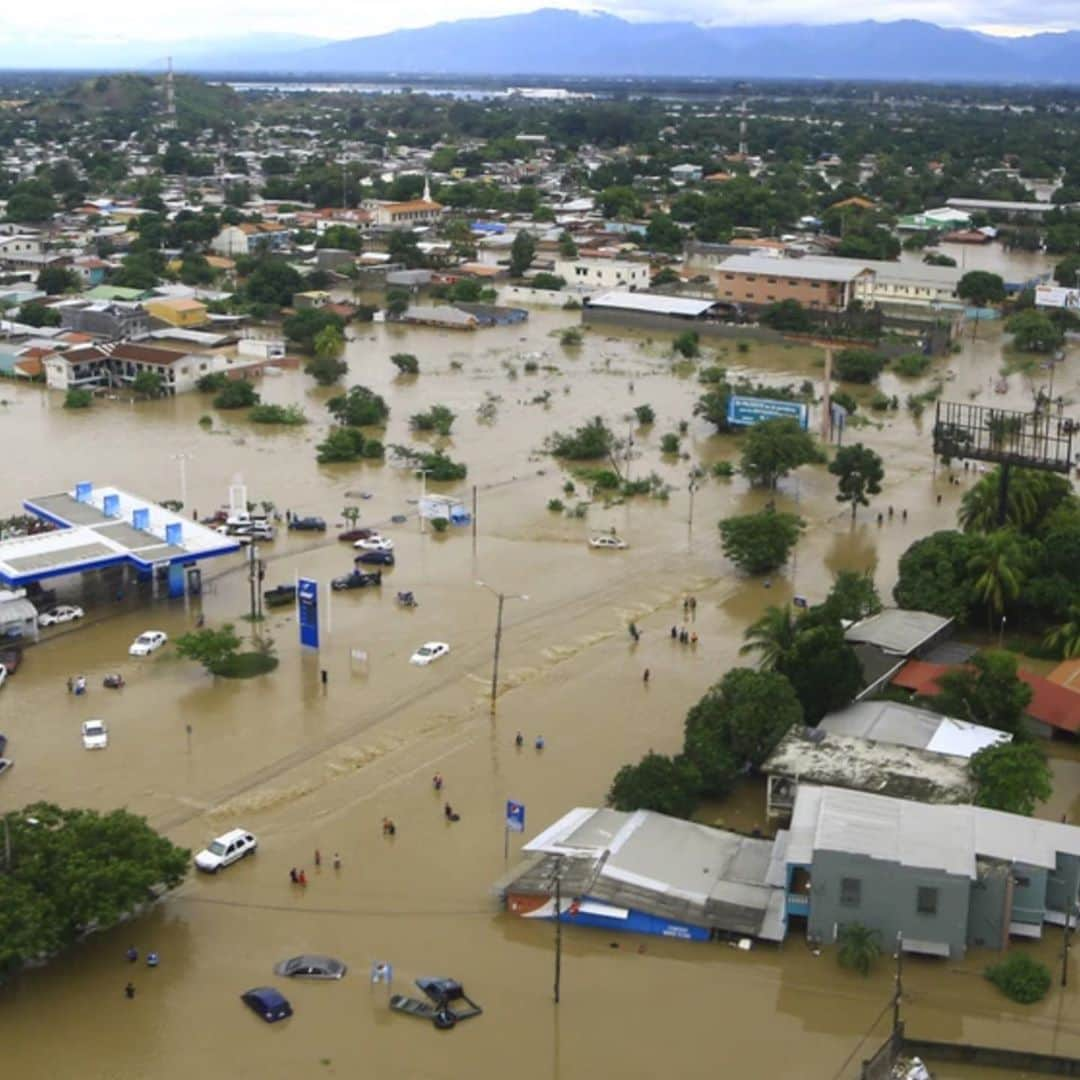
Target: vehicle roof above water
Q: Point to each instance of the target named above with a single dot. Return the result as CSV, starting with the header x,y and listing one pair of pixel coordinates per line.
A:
x,y
267,995
231,835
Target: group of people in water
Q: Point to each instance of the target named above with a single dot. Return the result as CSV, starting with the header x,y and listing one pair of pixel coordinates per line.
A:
x,y
299,877
538,742
132,957
683,636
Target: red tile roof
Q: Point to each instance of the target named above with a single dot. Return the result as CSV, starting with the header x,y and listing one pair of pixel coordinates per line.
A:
x,y
1051,704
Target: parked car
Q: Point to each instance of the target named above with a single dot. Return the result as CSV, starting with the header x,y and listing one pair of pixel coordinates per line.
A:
x,y
352,535
309,966
62,614
225,850
10,659
3,743
375,543
429,652
280,595
356,580
611,543
377,558
239,537
3,674
270,1004
147,642
307,524
95,736
5,764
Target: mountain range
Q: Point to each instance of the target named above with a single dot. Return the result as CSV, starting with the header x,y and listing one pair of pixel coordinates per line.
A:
x,y
560,43
571,44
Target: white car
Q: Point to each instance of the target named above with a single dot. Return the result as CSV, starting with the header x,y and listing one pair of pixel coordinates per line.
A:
x,y
64,613
375,543
95,736
225,850
611,543
429,652
147,642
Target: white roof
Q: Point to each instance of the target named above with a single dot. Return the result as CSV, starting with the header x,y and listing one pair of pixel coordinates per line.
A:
x,y
896,630
816,269
652,303
929,837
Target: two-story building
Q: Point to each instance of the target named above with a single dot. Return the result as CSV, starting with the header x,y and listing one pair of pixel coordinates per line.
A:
x,y
249,238
108,321
583,272
815,283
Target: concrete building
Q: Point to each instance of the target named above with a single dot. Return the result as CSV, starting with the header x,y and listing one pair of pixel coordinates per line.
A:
x,y
105,320
405,215
648,873
177,311
910,285
884,642
585,273
686,173
818,284
941,218
942,877
248,238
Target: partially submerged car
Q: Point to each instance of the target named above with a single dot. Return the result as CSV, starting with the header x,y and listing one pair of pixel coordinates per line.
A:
x,y
147,642
95,735
375,543
307,524
5,764
443,993
378,558
63,614
429,652
352,535
280,595
311,966
225,850
607,542
357,579
268,1003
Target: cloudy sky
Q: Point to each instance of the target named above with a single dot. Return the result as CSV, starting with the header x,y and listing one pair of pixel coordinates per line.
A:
x,y
116,21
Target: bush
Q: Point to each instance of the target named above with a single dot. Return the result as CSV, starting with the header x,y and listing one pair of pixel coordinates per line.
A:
x,y
341,444
236,394
912,364
547,282
571,338
687,344
669,443
406,363
292,415
439,418
77,398
758,543
1020,978
556,506
530,367
360,407
787,315
210,384
857,365
844,399
592,440
326,369
712,375
724,470
880,402
439,467
645,415
440,524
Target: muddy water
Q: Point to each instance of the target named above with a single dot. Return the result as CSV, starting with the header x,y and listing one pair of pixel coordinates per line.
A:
x,y
308,768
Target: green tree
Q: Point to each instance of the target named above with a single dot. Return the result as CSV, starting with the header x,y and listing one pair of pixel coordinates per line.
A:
x,y
986,690
858,365
547,282
439,418
773,448
1021,978
758,543
1012,776
1065,639
35,313
54,280
360,407
212,648
860,947
587,442
788,315
859,473
273,282
236,394
439,467
645,415
341,444
406,363
662,234
567,248
1067,272
148,384
1034,332
996,572
934,575
397,302
329,343
980,288
305,325
687,344
667,785
853,596
327,369
772,635
78,398
521,253
823,669
341,237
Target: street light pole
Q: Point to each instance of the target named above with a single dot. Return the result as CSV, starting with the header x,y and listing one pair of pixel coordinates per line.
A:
x,y
558,931
502,598
182,459
423,495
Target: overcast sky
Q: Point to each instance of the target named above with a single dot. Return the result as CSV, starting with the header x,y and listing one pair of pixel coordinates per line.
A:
x,y
134,20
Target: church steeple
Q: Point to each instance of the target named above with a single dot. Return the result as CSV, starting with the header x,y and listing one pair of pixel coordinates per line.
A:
x,y
427,188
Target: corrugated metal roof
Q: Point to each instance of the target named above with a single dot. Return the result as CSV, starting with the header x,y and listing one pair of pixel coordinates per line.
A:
x,y
652,303
839,270
896,630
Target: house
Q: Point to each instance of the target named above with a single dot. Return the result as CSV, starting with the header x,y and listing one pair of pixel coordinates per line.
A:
x,y
105,320
686,173
177,311
818,284
910,284
314,298
405,215
444,316
944,217
249,238
602,273
939,878
647,873
91,270
883,642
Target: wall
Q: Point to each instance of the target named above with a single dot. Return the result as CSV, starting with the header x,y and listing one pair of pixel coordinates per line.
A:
x,y
1028,901
634,320
768,288
988,901
1062,884
888,901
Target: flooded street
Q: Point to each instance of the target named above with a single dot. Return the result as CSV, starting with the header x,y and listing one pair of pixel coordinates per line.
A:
x,y
309,767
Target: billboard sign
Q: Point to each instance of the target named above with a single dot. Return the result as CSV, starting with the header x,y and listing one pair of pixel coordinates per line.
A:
x,y
307,606
1054,297
746,411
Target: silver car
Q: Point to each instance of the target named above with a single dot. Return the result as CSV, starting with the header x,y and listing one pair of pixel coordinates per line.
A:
x,y
311,966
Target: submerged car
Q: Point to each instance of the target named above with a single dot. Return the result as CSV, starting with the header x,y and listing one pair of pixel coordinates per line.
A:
x,y
5,764
95,735
352,535
378,558
611,543
270,1004
62,614
311,966
375,543
147,642
307,524
225,850
356,580
280,595
3,674
428,653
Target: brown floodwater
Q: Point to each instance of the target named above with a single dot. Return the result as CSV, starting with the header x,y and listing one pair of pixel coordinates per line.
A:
x,y
309,768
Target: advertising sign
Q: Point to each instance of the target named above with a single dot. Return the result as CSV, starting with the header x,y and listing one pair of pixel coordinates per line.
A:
x,y
307,606
745,411
1052,296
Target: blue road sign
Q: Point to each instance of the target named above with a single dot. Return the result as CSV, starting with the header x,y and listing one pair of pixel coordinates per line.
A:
x,y
745,411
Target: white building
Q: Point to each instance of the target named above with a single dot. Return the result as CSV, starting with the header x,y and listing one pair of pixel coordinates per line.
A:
x,y
591,273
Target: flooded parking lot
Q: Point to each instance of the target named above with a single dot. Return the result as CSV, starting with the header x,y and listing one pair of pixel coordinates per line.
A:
x,y
307,766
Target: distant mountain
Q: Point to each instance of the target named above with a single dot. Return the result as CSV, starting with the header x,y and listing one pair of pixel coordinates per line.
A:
x,y
565,43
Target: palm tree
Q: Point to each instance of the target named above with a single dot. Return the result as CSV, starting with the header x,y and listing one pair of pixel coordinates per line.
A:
x,y
998,578
979,508
859,947
1066,637
773,636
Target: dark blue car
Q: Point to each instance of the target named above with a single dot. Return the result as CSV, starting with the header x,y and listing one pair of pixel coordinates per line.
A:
x,y
268,1003
379,558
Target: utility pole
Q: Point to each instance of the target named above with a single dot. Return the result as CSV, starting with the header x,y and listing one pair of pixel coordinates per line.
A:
x,y
502,598
558,930
251,582
898,992
423,495
182,459
1064,951
692,489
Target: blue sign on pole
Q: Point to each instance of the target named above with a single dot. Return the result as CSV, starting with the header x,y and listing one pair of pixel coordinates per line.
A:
x,y
515,816
745,411
307,602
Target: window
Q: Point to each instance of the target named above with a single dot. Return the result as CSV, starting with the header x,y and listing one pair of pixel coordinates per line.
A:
x,y
772,281
815,284
850,892
926,901
1020,881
